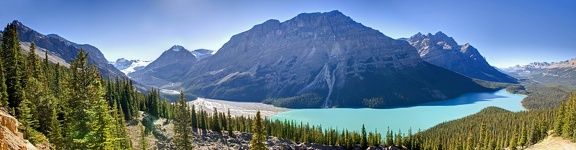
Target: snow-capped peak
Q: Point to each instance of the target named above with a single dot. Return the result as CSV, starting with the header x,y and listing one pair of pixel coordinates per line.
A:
x,y
177,48
122,60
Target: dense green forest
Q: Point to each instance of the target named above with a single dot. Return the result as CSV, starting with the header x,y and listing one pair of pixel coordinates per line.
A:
x,y
75,108
72,108
544,96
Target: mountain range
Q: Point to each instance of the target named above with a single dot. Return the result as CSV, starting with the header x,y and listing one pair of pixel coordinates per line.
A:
x,y
560,73
322,60
443,51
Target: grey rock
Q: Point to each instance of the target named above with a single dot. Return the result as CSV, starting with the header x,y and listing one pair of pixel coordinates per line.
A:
x,y
443,51
166,70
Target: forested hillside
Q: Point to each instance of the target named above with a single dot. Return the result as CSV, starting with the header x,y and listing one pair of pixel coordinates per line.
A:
x,y
71,108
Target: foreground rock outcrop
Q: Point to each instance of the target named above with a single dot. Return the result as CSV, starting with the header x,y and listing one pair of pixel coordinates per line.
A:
x,y
10,137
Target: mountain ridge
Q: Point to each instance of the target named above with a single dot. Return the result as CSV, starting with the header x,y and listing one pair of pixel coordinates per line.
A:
x,y
441,50
562,72
66,49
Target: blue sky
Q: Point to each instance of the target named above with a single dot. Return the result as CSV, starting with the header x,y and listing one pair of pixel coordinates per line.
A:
x,y
505,32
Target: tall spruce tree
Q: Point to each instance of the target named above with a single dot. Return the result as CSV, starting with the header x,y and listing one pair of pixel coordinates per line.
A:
x,y
182,127
142,141
13,63
229,128
88,121
389,138
194,119
364,141
101,124
559,122
215,121
55,135
258,141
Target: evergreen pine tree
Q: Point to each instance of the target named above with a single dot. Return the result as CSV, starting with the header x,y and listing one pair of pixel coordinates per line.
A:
x,y
55,135
101,124
259,137
522,138
569,119
202,120
124,141
194,117
481,136
229,128
215,121
26,118
143,143
13,63
559,121
182,131
88,122
513,143
389,138
469,142
398,139
364,142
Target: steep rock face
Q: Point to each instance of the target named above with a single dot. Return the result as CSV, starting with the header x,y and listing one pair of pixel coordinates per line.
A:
x,y
563,72
443,51
66,50
322,60
167,70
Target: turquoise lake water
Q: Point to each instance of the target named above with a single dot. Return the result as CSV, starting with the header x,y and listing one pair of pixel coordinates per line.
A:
x,y
422,117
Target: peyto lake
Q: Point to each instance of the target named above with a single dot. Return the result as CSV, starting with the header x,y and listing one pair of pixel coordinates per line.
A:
x,y
418,117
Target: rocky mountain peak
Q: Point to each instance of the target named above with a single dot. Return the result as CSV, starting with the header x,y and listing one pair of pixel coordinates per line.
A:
x,y
441,50
441,37
177,48
440,34
122,60
167,69
17,23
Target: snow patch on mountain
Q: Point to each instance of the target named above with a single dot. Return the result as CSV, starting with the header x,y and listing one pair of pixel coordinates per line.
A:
x,y
176,48
202,53
129,66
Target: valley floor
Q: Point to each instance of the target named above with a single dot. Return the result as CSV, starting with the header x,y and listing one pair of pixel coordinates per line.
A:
x,y
236,108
